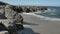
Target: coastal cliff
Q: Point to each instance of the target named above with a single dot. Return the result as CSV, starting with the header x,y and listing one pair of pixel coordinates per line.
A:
x,y
21,9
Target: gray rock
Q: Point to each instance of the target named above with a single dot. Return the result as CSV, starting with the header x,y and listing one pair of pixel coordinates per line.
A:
x,y
14,19
2,13
9,13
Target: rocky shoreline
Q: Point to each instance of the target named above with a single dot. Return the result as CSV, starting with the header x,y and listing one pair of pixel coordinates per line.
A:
x,y
14,21
23,8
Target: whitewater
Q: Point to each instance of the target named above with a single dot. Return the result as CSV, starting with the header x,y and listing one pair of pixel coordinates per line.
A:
x,y
52,14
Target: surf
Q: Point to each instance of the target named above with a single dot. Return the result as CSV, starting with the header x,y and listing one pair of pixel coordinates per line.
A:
x,y
52,14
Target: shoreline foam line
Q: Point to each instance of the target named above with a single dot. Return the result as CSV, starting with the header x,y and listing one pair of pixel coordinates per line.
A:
x,y
43,17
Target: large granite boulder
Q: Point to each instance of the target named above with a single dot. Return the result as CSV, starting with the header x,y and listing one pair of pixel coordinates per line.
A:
x,y
11,14
15,22
17,9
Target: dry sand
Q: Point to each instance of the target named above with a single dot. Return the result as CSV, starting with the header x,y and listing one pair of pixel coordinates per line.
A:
x,y
41,26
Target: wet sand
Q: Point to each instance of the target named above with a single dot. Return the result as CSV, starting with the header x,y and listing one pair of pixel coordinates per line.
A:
x,y
41,26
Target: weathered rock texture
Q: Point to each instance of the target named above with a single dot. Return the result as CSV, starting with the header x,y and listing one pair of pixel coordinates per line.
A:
x,y
28,8
14,19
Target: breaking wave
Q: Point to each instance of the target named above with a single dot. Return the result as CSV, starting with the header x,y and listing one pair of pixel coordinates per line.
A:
x,y
50,14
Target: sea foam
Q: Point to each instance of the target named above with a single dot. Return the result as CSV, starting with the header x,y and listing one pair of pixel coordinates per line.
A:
x,y
43,17
50,11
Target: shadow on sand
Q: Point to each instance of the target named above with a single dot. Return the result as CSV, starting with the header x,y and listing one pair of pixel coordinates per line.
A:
x,y
27,23
27,31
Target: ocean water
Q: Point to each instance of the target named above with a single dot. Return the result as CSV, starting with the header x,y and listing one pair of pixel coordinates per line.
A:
x,y
53,13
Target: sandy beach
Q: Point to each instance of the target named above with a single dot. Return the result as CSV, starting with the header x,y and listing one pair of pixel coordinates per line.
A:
x,y
36,25
41,26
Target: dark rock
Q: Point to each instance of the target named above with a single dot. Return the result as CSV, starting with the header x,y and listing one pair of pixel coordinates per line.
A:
x,y
2,3
2,14
28,10
12,30
19,27
2,27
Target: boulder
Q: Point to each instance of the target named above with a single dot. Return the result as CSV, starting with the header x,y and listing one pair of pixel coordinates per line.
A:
x,y
2,13
2,27
15,20
9,13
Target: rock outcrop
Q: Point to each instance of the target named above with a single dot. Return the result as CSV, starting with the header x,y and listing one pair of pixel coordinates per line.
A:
x,y
16,20
27,10
11,13
21,9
